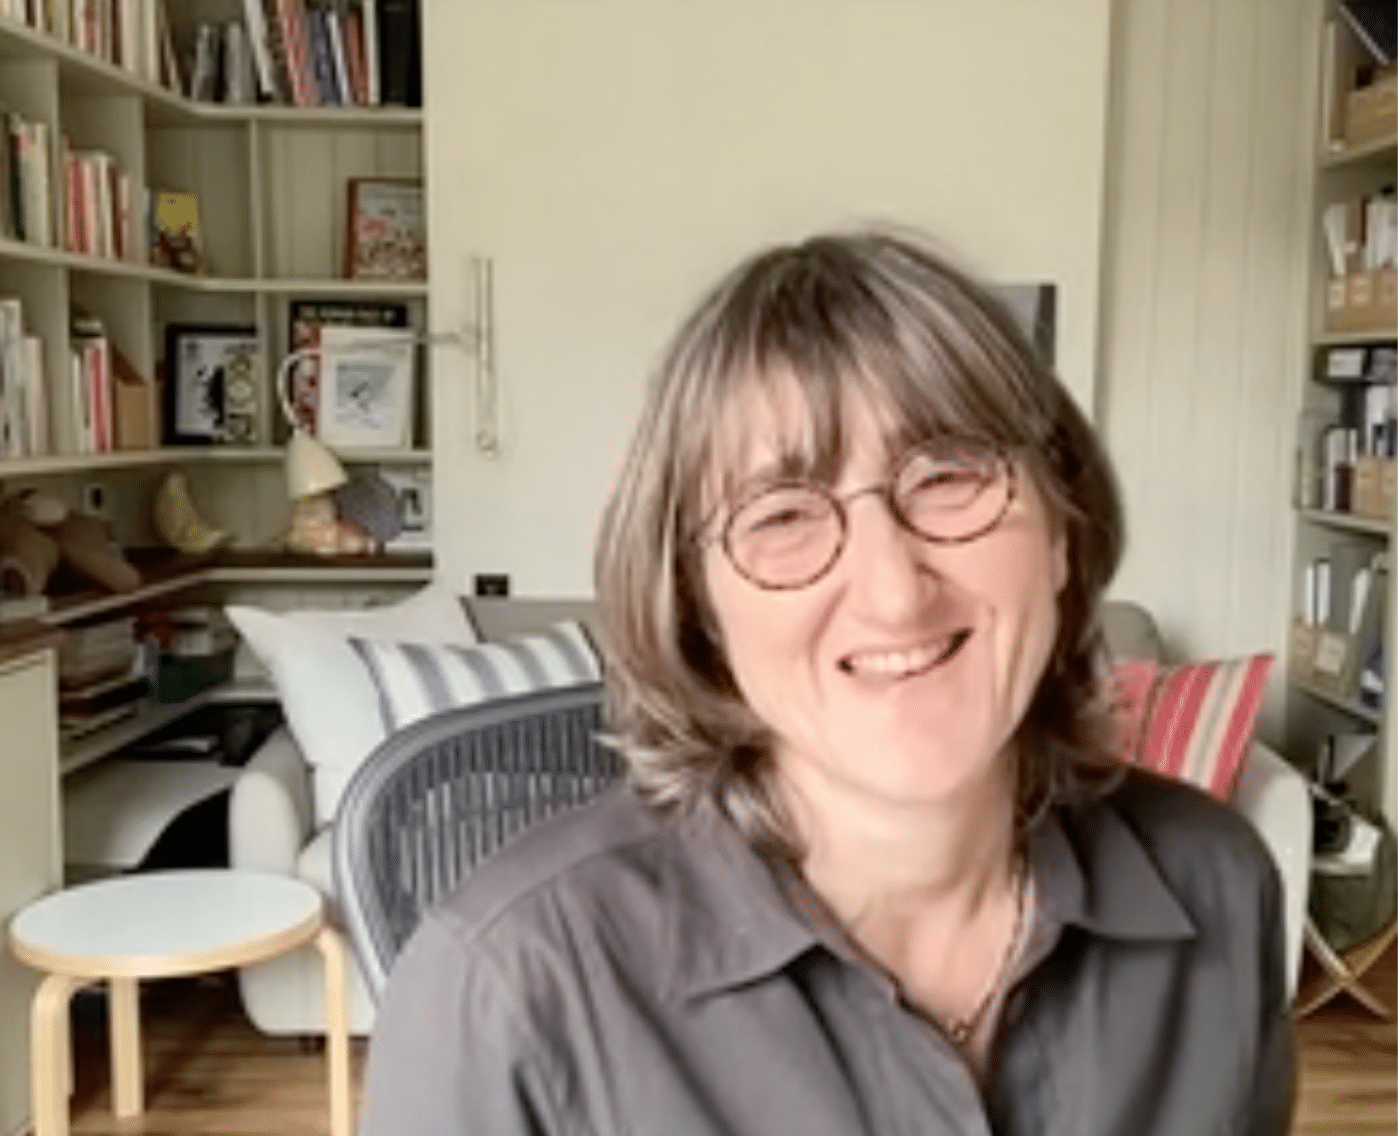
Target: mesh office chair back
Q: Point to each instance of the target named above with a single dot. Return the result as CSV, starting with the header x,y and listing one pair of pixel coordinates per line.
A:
x,y
439,796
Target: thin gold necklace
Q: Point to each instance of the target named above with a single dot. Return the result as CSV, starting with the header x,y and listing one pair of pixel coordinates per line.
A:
x,y
959,1030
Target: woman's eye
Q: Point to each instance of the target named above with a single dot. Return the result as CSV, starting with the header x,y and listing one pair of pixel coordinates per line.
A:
x,y
786,517
783,512
944,478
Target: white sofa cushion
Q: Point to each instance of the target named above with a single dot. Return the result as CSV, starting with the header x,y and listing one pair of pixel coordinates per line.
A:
x,y
330,703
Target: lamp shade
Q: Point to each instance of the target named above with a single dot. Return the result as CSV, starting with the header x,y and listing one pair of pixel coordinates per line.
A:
x,y
311,467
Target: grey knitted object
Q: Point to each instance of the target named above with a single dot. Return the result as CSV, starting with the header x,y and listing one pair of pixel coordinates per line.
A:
x,y
371,502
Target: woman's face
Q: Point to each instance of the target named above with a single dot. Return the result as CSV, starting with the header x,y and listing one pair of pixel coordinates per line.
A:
x,y
900,676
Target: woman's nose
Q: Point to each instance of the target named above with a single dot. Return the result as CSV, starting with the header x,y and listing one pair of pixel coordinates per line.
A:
x,y
888,568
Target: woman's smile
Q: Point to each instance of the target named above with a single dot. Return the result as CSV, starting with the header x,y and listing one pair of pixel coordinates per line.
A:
x,y
906,662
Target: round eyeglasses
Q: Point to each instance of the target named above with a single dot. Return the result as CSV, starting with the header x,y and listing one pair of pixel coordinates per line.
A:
x,y
788,534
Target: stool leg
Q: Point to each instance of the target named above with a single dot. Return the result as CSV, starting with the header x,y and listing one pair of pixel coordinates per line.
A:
x,y
124,1032
51,1053
337,1030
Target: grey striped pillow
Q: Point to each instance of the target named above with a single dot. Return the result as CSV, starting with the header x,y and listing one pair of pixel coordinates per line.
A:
x,y
418,679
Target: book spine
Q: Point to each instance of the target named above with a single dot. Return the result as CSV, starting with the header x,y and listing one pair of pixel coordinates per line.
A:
x,y
355,55
129,39
262,55
298,51
15,141
277,51
37,397
240,80
369,16
9,405
42,188
72,177
87,177
18,394
335,34
399,80
126,245
205,73
322,66
102,176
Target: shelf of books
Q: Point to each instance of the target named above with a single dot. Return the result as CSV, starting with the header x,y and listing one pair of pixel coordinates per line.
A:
x,y
230,159
1341,646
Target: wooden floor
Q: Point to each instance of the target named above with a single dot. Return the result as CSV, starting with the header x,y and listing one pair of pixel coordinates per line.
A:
x,y
209,1072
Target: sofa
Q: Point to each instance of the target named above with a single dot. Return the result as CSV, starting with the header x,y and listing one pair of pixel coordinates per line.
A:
x,y
273,825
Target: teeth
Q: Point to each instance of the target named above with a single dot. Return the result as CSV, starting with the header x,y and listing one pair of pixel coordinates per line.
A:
x,y
899,663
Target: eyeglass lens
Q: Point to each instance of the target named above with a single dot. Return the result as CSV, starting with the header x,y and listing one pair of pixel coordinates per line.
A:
x,y
788,535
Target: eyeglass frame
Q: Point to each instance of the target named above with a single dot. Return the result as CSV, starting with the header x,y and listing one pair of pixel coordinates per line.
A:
x,y
839,503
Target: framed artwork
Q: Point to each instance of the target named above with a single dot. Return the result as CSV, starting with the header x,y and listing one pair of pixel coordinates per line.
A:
x,y
385,235
213,385
414,487
306,319
365,387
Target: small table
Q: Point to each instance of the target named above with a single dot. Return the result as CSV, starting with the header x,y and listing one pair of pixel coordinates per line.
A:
x,y
160,925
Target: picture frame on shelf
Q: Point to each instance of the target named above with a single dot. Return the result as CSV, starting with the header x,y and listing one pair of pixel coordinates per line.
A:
x,y
176,234
213,385
414,487
306,318
385,229
365,388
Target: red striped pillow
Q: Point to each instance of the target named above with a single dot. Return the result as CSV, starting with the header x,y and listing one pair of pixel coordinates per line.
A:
x,y
1193,721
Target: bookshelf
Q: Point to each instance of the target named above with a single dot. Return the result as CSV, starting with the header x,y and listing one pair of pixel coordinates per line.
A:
x,y
1344,502
271,183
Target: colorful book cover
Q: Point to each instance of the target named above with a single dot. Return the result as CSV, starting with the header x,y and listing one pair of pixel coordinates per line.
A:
x,y
176,238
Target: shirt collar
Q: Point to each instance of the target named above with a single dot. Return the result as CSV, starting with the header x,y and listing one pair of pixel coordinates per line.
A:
x,y
731,922
1091,870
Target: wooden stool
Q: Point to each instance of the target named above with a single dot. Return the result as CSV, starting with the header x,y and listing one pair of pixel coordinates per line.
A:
x,y
1343,971
160,925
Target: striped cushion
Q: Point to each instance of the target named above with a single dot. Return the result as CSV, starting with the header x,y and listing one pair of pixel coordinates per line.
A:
x,y
1193,721
418,679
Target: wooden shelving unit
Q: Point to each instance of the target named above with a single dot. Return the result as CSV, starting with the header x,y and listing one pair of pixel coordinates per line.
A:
x,y
1350,165
272,187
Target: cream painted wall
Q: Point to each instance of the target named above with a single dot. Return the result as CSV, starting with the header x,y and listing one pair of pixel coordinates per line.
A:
x,y
1206,240
612,157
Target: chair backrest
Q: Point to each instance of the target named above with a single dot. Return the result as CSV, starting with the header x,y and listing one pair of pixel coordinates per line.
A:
x,y
439,796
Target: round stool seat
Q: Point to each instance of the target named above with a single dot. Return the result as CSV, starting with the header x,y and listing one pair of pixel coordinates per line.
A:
x,y
163,924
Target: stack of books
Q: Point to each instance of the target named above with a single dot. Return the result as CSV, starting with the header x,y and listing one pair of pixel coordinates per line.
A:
x,y
99,677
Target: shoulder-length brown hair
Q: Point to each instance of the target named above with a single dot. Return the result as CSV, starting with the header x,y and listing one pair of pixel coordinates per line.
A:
x,y
881,313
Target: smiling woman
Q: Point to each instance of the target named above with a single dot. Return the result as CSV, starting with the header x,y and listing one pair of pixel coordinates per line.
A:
x,y
876,868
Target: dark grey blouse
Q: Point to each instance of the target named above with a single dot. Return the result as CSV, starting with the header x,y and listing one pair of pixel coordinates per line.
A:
x,y
615,973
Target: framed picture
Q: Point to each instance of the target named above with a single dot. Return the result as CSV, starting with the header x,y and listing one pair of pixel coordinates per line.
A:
x,y
306,319
213,385
414,487
385,237
365,387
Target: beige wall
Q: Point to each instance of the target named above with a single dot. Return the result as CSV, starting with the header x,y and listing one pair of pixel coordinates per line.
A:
x,y
1204,327
653,157
612,157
